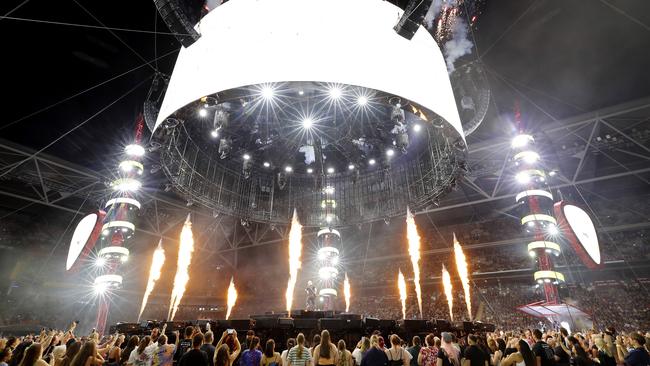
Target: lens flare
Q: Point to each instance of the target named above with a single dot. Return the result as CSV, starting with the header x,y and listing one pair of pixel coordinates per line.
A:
x,y
446,283
295,251
347,293
232,297
401,283
185,249
154,274
414,252
463,272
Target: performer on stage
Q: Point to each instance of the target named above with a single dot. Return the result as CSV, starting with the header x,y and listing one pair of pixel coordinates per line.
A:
x,y
311,296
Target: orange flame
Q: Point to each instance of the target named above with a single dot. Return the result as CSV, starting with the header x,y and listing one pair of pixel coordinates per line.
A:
x,y
414,252
446,283
463,272
346,291
295,251
154,274
185,249
232,297
401,283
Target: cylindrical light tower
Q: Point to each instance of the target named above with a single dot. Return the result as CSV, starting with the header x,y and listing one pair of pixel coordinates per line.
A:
x,y
329,243
537,214
118,229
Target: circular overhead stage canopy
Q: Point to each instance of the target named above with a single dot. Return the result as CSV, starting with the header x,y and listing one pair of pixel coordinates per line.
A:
x,y
318,105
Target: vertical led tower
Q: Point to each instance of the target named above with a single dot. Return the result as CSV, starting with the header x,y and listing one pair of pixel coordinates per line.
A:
x,y
537,217
329,243
118,227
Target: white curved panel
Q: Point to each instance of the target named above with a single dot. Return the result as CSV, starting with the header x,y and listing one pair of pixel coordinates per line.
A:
x,y
80,238
246,42
584,229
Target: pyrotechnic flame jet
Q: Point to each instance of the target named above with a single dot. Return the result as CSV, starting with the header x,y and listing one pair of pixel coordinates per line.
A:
x,y
185,249
295,251
346,292
414,252
401,283
446,283
232,297
463,272
154,274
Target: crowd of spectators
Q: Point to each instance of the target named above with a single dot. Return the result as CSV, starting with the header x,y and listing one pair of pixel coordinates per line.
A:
x,y
198,346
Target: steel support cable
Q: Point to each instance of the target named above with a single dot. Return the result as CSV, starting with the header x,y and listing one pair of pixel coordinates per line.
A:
x,y
76,127
81,92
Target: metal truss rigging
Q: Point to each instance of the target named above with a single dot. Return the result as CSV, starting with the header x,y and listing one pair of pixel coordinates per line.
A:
x,y
594,153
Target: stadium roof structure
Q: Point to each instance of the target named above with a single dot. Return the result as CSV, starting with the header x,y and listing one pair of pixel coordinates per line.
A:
x,y
581,103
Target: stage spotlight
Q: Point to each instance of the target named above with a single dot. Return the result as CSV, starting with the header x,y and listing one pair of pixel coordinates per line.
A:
x,y
330,170
266,164
310,170
268,92
99,288
417,128
329,190
522,140
532,253
552,173
203,112
134,150
530,157
553,230
100,262
335,92
523,177
214,133
362,100
301,92
371,162
351,167
307,123
246,157
288,169
390,152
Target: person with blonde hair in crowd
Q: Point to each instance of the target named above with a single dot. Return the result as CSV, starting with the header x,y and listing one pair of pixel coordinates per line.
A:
x,y
375,356
362,347
345,357
299,355
325,354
